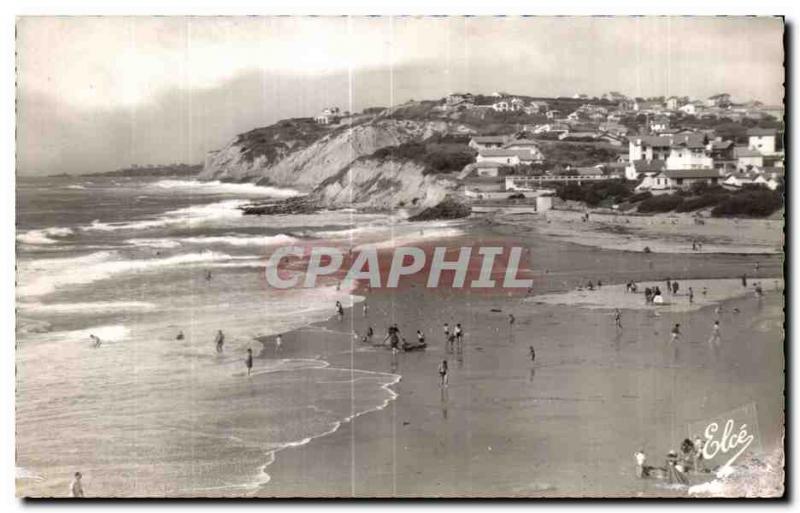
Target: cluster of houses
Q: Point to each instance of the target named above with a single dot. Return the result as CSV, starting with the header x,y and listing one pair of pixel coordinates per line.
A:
x,y
498,102
328,116
666,162
661,157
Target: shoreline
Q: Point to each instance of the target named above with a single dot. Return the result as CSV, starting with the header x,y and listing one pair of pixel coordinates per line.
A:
x,y
661,233
378,435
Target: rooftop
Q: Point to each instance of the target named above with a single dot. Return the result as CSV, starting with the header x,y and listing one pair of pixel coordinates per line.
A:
x,y
499,139
742,151
760,132
692,173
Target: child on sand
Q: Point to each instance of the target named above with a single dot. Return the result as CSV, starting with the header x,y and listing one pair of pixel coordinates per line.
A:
x,y
443,373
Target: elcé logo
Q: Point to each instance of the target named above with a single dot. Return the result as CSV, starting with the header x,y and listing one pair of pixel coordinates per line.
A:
x,y
486,266
727,442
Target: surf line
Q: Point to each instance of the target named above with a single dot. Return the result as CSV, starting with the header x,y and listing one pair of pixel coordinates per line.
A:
x,y
365,263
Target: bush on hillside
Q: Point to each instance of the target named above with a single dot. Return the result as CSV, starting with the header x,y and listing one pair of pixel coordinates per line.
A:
x,y
665,203
750,203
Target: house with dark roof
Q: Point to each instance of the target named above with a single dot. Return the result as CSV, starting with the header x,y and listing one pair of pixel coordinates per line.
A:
x,y
636,169
671,179
482,142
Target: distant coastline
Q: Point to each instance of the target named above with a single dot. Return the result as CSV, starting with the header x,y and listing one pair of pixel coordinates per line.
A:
x,y
156,170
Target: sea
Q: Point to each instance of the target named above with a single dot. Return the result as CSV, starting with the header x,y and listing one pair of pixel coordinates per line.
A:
x,y
135,261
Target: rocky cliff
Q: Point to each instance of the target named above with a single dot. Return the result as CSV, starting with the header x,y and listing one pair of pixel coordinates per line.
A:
x,y
307,161
382,184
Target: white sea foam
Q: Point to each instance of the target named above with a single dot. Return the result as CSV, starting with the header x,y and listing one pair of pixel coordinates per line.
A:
x,y
43,276
75,187
241,240
44,235
154,243
217,187
92,308
189,217
403,239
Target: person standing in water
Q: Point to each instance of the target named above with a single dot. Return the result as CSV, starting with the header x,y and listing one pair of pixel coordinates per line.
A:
x,y
691,295
459,333
676,333
446,332
249,360
96,342
76,487
618,318
278,342
180,335
220,341
715,338
532,353
339,310
443,373
365,308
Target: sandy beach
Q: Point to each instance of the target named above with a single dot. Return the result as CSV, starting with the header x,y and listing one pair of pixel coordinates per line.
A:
x,y
566,424
671,233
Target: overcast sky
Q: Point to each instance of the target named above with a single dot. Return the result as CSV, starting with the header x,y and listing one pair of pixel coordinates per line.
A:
x,y
100,93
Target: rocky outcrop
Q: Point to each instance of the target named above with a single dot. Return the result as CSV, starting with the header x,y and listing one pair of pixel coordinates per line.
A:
x,y
306,164
382,184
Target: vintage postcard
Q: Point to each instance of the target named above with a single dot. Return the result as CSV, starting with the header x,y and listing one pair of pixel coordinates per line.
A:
x,y
408,256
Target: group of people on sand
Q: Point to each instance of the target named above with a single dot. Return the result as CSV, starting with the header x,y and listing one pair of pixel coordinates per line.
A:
x,y
676,465
590,285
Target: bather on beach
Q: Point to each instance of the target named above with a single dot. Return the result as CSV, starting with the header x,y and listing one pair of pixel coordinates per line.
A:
x,y
674,474
219,341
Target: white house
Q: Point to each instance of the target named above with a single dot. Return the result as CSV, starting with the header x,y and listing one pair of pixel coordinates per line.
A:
x,y
688,151
762,140
487,169
516,104
638,168
678,179
747,159
483,142
648,147
526,146
501,106
328,116
659,124
689,108
740,178
499,156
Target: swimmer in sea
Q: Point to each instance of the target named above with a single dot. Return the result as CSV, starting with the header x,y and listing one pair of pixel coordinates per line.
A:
x,y
249,360
220,341
443,373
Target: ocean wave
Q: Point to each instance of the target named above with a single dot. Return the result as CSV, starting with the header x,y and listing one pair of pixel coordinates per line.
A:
x,y
241,240
75,187
189,217
44,235
105,306
154,243
43,276
217,187
403,239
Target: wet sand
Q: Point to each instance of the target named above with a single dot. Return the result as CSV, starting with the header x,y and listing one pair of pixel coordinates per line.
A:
x,y
664,233
564,425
